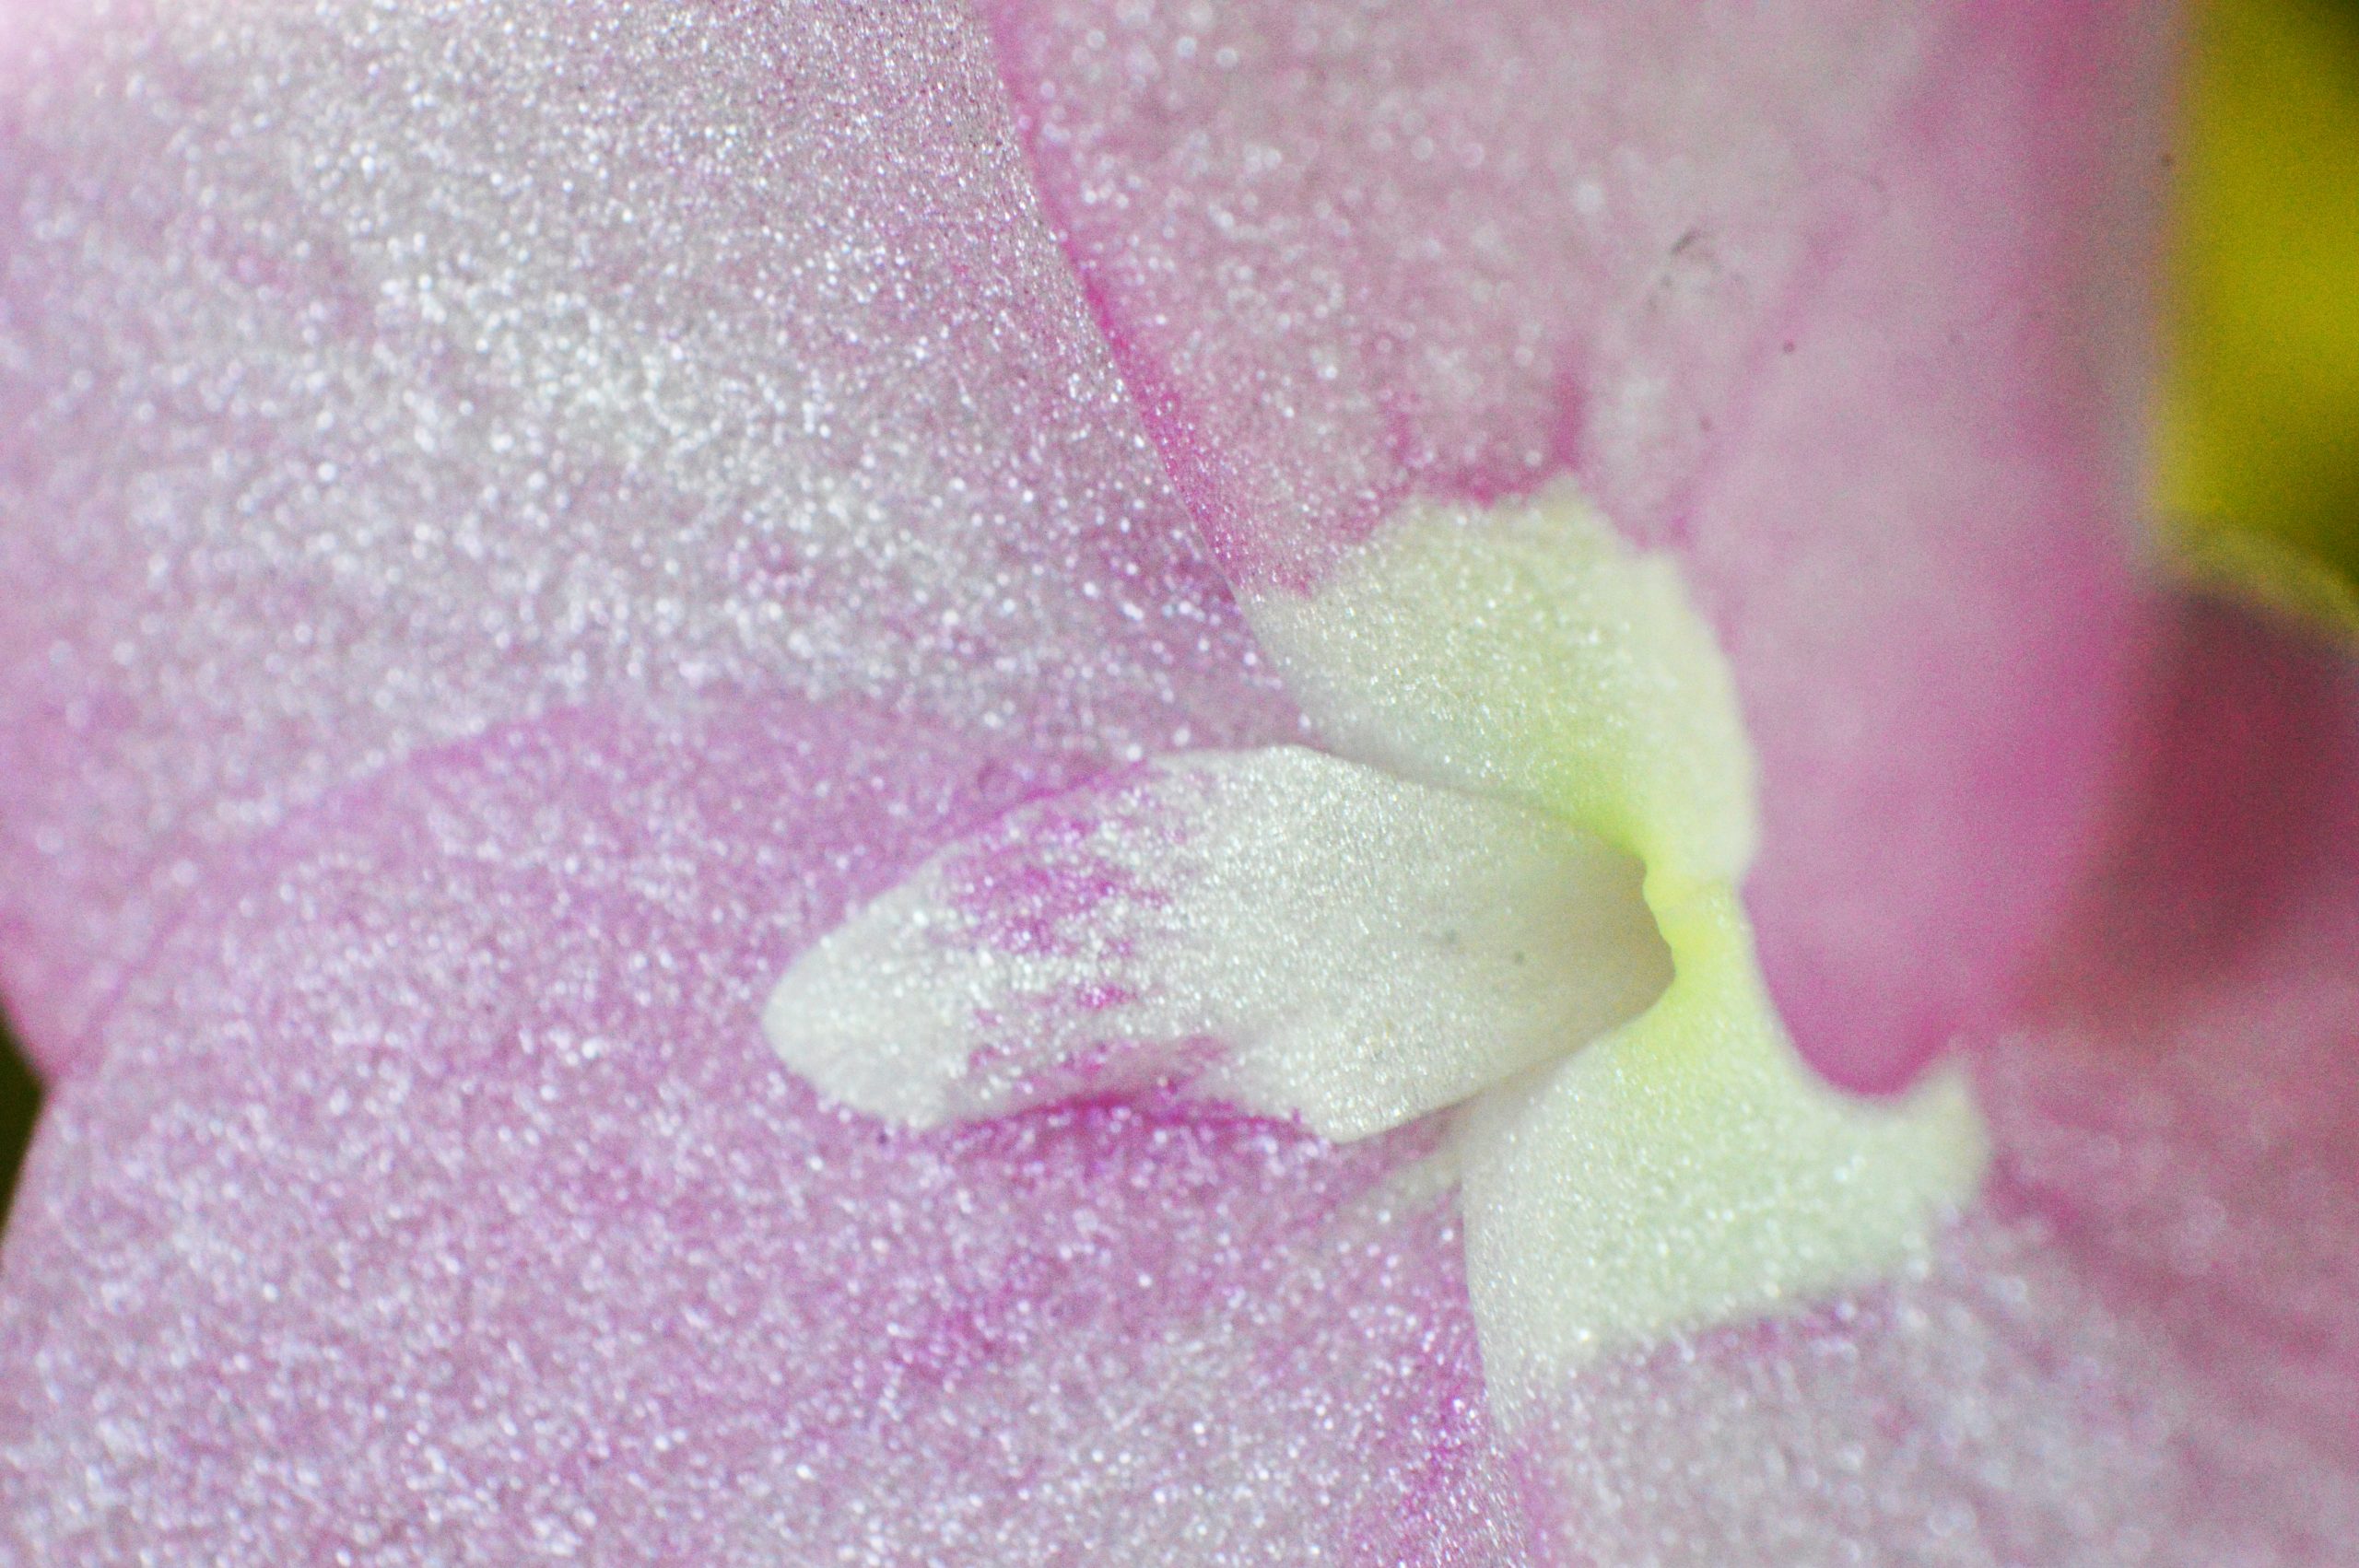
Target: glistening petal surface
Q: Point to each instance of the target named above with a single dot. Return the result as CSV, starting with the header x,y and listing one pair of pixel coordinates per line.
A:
x,y
1828,300
2142,1348
404,1221
1276,929
373,377
433,1197
437,1200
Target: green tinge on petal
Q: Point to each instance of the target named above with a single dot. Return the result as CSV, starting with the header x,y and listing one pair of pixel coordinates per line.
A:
x,y
1449,918
1525,650
1689,1169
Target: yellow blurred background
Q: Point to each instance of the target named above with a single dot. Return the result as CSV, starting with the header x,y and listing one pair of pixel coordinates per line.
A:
x,y
2258,442
2257,436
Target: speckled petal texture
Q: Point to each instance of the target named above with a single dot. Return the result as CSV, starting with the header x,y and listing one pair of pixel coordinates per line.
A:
x,y
1811,294
2143,1347
436,1203
439,1201
515,519
373,374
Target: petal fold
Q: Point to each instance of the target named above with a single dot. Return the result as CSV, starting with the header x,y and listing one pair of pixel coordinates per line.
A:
x,y
1690,1170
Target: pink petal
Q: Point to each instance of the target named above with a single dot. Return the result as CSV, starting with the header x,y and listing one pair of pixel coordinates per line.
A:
x,y
1801,292
368,379
403,852
2144,1349
437,1201
436,1198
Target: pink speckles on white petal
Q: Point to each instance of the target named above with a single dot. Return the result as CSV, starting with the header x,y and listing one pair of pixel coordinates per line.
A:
x,y
1802,293
441,1202
438,1203
1276,929
517,519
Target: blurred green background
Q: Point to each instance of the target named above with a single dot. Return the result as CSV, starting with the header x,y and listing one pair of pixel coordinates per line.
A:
x,y
2257,456
2257,450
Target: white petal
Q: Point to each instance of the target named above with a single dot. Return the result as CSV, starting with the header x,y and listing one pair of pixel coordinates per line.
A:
x,y
1524,651
1689,1169
1295,932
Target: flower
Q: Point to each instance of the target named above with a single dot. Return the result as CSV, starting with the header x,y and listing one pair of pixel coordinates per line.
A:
x,y
532,519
